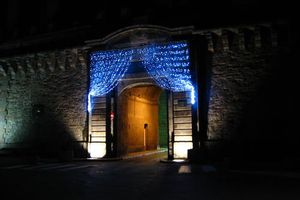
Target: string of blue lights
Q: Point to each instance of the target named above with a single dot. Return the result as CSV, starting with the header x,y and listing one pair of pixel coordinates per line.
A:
x,y
168,64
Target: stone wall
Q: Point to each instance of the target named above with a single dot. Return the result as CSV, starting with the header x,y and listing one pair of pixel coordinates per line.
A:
x,y
235,81
43,100
247,77
3,104
248,82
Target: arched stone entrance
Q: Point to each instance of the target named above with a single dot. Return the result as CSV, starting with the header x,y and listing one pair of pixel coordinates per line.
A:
x,y
117,125
138,109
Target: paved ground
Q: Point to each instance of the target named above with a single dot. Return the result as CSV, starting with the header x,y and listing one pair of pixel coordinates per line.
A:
x,y
141,178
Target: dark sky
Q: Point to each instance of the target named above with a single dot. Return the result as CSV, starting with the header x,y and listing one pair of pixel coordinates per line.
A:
x,y
21,19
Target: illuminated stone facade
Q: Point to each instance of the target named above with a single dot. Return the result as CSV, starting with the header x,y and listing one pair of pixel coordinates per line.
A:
x,y
44,94
43,97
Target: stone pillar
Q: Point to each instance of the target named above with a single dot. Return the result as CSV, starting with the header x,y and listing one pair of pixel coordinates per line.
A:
x,y
257,37
274,38
210,45
241,39
3,107
199,69
225,40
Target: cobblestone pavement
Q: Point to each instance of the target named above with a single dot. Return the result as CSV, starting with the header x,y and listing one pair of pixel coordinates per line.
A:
x,y
140,178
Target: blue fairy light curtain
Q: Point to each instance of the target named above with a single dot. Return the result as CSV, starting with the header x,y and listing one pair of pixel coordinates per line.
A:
x,y
168,64
106,69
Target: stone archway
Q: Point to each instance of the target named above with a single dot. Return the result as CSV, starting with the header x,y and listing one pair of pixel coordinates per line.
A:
x,y
165,62
138,118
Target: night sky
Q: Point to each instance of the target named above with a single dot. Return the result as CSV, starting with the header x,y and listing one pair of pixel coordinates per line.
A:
x,y
30,19
33,17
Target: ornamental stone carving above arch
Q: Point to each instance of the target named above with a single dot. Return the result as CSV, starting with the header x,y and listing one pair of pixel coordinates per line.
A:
x,y
138,35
